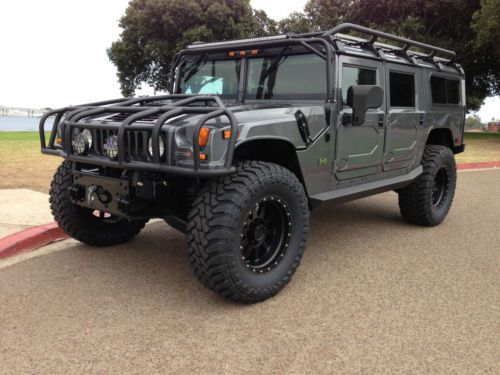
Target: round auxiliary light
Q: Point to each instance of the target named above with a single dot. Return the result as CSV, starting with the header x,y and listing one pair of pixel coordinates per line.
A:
x,y
111,147
161,144
88,136
80,144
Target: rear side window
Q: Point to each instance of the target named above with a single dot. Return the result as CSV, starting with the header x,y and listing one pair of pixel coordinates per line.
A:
x,y
353,76
452,91
402,88
445,91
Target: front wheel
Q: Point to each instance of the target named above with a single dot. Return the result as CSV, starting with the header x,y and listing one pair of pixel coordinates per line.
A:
x,y
247,231
428,199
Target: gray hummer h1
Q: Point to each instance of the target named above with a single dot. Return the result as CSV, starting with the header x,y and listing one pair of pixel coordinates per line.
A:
x,y
255,135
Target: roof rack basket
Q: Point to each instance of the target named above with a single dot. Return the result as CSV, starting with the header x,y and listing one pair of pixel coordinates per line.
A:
x,y
407,43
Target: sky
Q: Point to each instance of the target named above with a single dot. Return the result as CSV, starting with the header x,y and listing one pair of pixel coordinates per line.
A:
x,y
53,52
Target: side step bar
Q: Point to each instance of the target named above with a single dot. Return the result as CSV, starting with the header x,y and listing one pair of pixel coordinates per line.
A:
x,y
364,190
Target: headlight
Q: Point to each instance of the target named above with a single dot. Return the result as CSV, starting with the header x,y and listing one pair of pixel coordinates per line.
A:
x,y
161,144
111,146
82,142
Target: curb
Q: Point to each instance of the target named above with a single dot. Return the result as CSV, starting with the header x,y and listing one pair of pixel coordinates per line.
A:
x,y
30,239
479,165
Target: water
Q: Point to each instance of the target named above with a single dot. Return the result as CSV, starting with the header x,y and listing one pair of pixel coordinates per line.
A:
x,y
21,123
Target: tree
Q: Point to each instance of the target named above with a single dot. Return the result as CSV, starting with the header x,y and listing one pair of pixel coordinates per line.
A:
x,y
295,23
458,25
473,122
155,30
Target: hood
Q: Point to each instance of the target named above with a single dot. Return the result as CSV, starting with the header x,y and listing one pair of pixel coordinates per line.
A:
x,y
246,113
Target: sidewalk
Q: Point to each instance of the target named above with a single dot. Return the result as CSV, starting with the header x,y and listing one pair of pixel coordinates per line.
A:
x,y
22,209
25,221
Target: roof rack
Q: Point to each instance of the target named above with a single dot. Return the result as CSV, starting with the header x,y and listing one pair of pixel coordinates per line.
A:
x,y
335,34
407,43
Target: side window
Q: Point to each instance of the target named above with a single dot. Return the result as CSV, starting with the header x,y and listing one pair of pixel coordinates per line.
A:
x,y
438,88
286,77
402,89
445,91
353,76
452,91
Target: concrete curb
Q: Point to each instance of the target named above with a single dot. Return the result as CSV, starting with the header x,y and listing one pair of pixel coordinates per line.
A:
x,y
30,239
36,237
479,165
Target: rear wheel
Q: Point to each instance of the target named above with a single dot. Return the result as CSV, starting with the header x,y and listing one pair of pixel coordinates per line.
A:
x,y
92,227
247,231
428,199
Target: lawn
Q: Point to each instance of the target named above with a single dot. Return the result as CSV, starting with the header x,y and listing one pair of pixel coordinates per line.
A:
x,y
480,147
21,163
23,166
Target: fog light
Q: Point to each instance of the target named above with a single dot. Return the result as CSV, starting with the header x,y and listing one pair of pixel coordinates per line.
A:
x,y
88,136
111,146
161,144
79,144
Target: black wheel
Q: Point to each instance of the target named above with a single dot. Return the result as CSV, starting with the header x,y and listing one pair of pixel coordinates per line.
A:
x,y
92,227
428,199
247,231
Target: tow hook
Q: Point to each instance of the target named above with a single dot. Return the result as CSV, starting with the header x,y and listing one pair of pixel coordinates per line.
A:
x,y
95,193
91,195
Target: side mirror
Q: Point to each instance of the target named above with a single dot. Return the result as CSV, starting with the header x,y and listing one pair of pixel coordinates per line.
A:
x,y
361,98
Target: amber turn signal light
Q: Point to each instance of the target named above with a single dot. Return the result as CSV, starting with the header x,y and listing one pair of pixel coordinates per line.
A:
x,y
203,137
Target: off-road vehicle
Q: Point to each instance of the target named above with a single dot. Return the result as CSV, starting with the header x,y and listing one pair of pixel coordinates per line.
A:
x,y
255,135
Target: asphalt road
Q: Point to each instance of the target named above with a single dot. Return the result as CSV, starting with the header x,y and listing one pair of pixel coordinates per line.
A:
x,y
373,295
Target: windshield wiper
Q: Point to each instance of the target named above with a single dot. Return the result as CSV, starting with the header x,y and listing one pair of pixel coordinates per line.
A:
x,y
272,69
197,65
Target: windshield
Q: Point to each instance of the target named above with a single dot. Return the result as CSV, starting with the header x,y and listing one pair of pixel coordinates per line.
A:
x,y
280,77
219,77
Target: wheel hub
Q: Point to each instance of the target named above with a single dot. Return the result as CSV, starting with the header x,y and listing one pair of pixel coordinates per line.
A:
x,y
265,234
257,232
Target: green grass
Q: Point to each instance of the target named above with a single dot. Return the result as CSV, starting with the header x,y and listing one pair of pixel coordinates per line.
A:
x,y
22,163
480,147
468,136
21,136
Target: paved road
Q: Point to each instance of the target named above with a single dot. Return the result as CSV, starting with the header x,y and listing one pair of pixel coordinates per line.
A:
x,y
373,295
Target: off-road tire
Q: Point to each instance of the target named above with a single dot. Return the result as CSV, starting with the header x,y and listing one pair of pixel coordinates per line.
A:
x,y
417,202
80,222
217,220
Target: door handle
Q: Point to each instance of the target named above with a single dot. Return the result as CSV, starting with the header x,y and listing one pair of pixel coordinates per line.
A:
x,y
421,120
346,119
380,121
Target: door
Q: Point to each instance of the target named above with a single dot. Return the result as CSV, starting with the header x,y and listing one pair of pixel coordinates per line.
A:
x,y
359,149
404,115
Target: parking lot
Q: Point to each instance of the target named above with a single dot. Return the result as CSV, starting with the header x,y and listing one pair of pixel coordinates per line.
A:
x,y
372,295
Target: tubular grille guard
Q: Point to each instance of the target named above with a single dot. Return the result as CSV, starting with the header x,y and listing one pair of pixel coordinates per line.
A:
x,y
182,104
